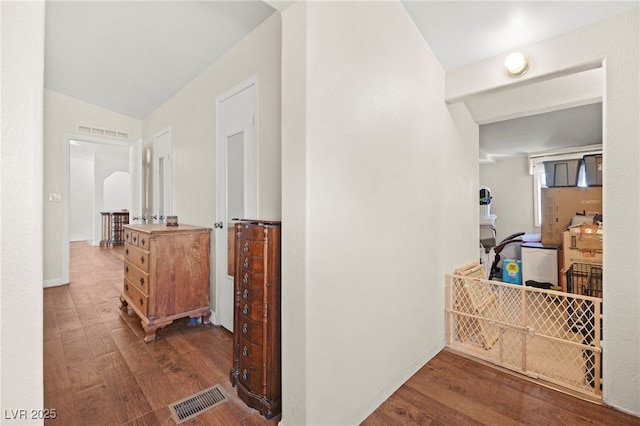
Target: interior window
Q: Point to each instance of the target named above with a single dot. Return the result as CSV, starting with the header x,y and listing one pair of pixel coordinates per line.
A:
x,y
536,167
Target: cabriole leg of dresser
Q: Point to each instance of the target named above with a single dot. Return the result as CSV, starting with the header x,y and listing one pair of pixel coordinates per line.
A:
x,y
123,303
150,329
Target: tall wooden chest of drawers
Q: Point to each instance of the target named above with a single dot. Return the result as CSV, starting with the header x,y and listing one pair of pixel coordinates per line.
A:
x,y
166,274
256,367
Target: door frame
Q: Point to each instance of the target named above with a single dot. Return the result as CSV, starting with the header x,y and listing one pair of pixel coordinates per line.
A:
x,y
155,173
66,207
250,178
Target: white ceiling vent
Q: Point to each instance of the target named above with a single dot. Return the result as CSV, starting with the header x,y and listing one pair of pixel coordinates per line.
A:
x,y
96,131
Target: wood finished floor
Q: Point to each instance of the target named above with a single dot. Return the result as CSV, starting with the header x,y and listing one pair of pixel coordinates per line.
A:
x,y
98,371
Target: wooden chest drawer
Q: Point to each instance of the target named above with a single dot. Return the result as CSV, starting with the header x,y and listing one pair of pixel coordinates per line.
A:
x,y
251,263
250,351
143,240
251,295
252,311
137,277
252,279
130,237
139,299
249,376
252,232
251,331
137,257
252,248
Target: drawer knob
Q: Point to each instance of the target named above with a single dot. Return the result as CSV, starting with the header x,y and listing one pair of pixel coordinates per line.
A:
x,y
126,269
141,301
245,309
126,287
134,238
142,241
126,251
245,279
246,262
245,327
245,294
141,259
246,247
141,281
245,351
245,374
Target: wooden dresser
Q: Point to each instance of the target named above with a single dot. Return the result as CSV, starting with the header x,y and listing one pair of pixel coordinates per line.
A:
x,y
166,274
256,367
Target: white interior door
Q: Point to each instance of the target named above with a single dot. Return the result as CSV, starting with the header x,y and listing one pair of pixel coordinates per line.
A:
x,y
161,176
236,181
135,176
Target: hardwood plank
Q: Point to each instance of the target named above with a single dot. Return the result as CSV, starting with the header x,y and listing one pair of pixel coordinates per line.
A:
x,y
122,387
94,406
63,404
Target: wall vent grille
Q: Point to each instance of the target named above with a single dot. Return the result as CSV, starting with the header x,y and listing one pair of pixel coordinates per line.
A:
x,y
96,131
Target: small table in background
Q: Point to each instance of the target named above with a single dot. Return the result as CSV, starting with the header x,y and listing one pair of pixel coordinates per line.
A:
x,y
113,228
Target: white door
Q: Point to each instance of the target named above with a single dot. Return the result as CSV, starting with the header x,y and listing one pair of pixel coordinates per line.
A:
x,y
135,176
161,176
236,181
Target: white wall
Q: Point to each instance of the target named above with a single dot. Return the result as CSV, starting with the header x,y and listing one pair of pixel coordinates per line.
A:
x,y
191,113
81,199
62,115
21,73
379,177
512,191
614,44
116,192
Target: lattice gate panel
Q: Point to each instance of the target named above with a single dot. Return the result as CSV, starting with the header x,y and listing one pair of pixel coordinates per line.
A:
x,y
544,334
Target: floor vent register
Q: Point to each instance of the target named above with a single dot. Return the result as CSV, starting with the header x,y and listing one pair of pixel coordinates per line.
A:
x,y
192,406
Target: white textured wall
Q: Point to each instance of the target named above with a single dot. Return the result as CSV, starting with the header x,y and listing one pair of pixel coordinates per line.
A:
x,y
62,115
81,199
191,113
512,191
116,191
380,178
614,44
22,78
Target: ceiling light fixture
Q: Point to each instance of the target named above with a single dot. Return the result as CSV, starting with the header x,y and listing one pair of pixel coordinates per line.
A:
x,y
516,64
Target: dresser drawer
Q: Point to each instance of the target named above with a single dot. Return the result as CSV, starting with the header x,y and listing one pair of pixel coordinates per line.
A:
x,y
252,248
253,233
137,277
250,351
252,279
252,311
249,376
139,299
251,295
251,263
251,331
136,257
130,237
143,240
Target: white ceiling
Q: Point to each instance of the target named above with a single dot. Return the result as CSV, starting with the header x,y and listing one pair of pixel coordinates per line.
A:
x,y
132,56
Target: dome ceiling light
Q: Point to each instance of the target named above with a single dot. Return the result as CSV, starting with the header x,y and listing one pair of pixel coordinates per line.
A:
x,y
516,64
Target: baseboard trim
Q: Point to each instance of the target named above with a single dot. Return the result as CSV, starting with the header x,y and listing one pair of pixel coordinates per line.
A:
x,y
54,283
